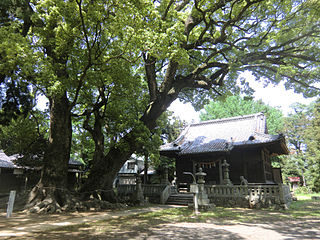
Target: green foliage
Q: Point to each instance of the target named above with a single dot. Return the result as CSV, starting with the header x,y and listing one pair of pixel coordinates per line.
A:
x,y
232,106
303,190
296,125
313,147
294,165
302,129
26,136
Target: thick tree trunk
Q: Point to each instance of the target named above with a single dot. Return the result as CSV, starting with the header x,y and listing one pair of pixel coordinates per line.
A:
x,y
51,192
93,186
105,169
146,166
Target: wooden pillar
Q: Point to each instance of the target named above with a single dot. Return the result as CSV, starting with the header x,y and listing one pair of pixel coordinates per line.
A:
x,y
220,172
194,170
263,162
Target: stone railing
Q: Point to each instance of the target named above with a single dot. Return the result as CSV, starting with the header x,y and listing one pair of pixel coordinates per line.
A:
x,y
156,192
165,194
226,191
126,189
153,190
252,195
286,196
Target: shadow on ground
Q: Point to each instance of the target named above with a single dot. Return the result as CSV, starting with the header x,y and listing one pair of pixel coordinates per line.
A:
x,y
302,222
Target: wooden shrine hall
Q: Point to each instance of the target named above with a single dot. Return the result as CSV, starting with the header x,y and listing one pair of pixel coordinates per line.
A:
x,y
240,144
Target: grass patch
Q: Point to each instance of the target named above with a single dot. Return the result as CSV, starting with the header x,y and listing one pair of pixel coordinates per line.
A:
x,y
306,196
305,208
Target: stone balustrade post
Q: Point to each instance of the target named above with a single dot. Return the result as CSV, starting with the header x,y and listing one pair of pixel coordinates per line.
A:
x,y
138,196
166,175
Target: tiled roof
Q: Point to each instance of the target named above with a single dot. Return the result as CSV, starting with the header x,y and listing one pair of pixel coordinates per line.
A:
x,y
6,161
221,135
75,162
134,164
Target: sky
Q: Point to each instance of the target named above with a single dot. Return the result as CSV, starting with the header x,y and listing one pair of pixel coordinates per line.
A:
x,y
273,95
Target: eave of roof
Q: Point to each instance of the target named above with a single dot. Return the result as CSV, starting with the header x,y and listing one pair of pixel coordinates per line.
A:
x,y
6,161
222,135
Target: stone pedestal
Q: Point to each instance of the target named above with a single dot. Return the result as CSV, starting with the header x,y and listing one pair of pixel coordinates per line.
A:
x,y
226,179
165,179
203,200
138,195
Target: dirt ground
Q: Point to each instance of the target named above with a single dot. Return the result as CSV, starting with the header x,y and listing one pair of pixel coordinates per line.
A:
x,y
22,226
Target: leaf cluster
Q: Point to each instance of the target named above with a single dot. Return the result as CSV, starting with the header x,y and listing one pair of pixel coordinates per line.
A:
x,y
232,106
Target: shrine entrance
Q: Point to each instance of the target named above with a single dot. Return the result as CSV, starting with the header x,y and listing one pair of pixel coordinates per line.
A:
x,y
213,169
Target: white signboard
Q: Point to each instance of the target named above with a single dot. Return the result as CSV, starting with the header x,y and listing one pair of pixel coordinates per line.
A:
x,y
10,203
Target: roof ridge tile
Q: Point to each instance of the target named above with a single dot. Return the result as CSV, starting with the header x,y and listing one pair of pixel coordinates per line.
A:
x,y
230,119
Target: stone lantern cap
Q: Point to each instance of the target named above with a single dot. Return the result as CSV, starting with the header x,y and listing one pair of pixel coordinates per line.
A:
x,y
201,173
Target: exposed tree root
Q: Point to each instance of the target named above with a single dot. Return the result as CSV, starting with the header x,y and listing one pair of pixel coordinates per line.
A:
x,y
52,200
49,200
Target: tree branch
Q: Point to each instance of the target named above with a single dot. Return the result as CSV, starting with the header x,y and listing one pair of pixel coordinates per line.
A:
x,y
167,10
150,67
169,77
182,5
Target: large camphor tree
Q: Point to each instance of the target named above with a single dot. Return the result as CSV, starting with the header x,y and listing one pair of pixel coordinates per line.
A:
x,y
195,50
192,50
58,48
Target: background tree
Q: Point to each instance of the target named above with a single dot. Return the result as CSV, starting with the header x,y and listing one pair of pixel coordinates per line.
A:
x,y
170,127
313,148
16,96
236,105
26,136
296,125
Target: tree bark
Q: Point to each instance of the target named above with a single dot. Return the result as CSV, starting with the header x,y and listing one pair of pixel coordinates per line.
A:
x,y
146,166
51,191
104,170
105,167
93,185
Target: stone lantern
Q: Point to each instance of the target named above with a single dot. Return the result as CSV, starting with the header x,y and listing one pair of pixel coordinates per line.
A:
x,y
226,179
203,199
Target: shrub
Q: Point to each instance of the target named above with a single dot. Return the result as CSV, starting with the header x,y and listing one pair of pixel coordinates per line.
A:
x,y
303,190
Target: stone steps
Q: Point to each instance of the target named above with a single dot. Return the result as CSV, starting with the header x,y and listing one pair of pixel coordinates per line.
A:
x,y
180,199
